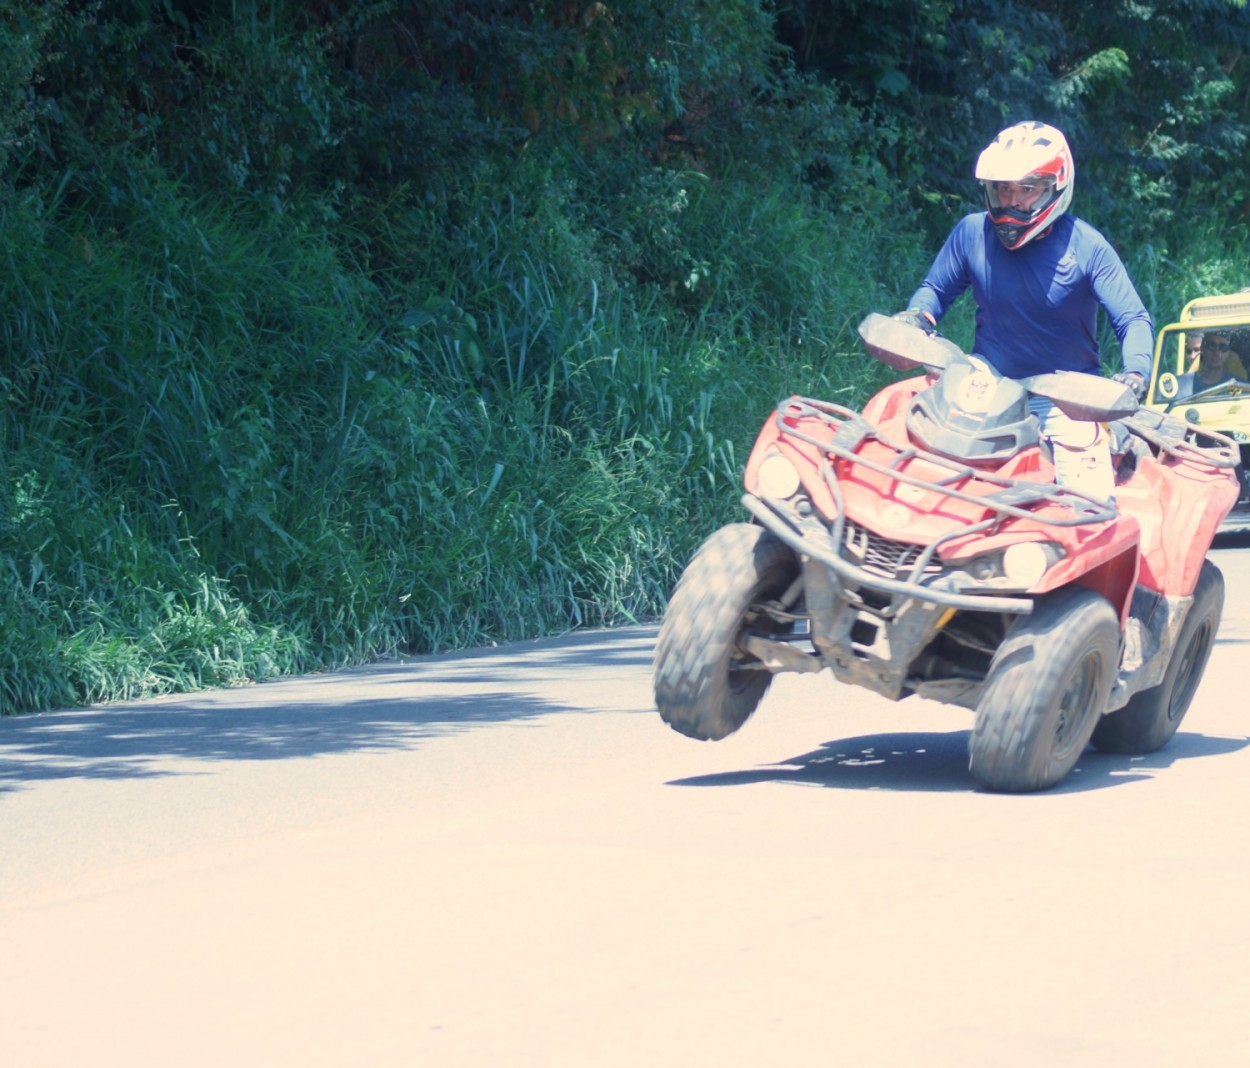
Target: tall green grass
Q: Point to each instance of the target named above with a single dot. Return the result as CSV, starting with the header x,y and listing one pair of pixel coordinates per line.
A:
x,y
240,442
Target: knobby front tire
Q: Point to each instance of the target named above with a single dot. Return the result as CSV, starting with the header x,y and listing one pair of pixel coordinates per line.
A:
x,y
1046,688
706,686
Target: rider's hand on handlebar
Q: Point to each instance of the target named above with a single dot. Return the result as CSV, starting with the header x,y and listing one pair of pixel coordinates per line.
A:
x,y
917,318
1135,381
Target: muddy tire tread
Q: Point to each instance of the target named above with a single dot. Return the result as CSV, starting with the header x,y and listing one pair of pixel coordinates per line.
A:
x,y
1016,745
696,689
1149,719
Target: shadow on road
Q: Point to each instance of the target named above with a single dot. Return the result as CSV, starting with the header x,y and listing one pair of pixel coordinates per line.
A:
x,y
385,706
938,762
143,741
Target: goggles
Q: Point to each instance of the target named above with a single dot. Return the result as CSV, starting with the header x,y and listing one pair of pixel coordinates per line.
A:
x,y
1023,195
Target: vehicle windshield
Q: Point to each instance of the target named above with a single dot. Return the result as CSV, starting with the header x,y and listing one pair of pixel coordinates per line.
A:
x,y
1194,359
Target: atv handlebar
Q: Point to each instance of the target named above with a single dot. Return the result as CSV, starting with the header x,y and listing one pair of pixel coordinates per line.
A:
x,y
1085,397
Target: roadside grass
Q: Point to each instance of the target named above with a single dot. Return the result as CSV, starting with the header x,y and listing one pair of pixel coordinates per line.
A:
x,y
240,443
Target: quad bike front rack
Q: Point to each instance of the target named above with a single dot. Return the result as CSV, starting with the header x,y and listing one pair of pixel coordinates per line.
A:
x,y
925,578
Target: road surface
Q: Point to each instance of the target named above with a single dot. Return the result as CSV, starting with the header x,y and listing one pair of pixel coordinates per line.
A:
x,y
503,857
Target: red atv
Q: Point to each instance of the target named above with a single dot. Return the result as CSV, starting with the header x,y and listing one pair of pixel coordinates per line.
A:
x,y
923,547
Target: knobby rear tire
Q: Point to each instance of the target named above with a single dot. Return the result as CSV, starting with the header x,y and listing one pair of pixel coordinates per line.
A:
x,y
1150,718
705,686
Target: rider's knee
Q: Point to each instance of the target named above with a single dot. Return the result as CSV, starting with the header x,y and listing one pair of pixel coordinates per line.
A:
x,y
1082,456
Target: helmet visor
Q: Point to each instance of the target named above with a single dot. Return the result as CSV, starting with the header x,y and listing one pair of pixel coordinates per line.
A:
x,y
1020,201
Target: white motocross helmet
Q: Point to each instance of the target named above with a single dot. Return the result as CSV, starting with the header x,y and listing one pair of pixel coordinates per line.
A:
x,y
1027,174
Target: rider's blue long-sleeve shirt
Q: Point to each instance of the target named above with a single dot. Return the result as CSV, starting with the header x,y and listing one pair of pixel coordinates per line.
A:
x,y
1037,306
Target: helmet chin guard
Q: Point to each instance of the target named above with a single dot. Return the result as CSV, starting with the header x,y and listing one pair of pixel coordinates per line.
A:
x,y
1026,174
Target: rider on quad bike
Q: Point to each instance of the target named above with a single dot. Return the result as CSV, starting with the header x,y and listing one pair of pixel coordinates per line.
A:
x,y
924,547
967,538
1038,276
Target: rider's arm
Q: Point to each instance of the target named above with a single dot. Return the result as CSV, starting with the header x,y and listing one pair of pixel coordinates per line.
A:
x,y
950,275
1129,317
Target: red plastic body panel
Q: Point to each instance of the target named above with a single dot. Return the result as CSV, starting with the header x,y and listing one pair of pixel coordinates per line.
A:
x,y
1179,506
1168,510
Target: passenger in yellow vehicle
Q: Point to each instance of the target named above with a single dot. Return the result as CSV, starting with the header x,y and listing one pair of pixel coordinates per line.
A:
x,y
1213,367
1237,360
1193,349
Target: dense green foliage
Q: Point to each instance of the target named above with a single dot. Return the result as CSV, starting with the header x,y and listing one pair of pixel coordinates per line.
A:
x,y
331,330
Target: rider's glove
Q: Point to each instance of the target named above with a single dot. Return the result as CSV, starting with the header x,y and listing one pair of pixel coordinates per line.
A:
x,y
1134,380
922,320
1121,437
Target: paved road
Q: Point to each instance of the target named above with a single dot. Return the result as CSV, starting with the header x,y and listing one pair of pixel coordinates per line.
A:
x,y
504,858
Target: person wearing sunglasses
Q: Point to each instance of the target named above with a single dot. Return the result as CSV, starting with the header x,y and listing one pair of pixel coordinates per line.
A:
x,y
1038,276
1213,369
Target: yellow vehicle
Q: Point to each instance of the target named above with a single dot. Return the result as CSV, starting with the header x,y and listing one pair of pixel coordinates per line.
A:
x,y
1200,374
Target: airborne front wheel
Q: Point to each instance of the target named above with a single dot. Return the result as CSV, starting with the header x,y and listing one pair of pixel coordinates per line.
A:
x,y
706,684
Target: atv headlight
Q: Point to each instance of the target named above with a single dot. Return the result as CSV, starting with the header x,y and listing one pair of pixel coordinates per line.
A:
x,y
777,477
1017,567
1026,562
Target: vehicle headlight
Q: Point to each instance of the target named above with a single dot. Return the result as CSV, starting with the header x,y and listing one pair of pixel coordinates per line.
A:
x,y
777,477
1026,562
1018,566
